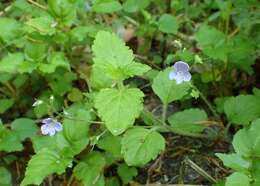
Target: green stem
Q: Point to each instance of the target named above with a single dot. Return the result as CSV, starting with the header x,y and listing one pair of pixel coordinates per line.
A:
x,y
120,84
164,113
210,106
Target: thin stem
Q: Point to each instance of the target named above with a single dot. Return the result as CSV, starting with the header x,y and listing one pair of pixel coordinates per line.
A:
x,y
210,106
10,88
164,112
120,84
37,4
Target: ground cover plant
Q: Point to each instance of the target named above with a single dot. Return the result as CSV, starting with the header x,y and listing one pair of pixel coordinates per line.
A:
x,y
129,92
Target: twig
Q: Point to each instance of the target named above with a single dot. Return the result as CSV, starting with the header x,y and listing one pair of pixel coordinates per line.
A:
x,y
233,33
199,170
147,61
37,4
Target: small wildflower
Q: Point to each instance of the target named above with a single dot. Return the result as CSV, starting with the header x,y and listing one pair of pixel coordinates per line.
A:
x,y
37,103
87,6
180,72
52,98
50,127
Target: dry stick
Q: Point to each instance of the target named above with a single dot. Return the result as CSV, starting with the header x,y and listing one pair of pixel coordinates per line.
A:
x,y
154,165
37,4
199,170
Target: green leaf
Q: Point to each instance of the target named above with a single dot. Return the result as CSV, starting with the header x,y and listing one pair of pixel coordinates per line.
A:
x,y
27,67
9,141
5,104
41,142
246,141
45,25
64,10
126,173
242,109
112,181
213,42
10,30
137,69
61,81
35,51
235,162
89,170
119,108
5,177
243,53
56,59
106,6
115,58
167,89
187,121
76,128
238,179
11,62
168,24
75,95
105,144
44,163
137,143
98,78
24,128
135,5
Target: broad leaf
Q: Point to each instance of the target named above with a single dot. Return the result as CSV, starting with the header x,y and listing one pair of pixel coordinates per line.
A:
x,y
242,109
5,104
126,173
56,59
238,179
24,128
242,53
11,62
106,6
213,42
45,25
246,142
10,30
105,144
139,146
187,121
119,108
115,58
89,170
235,162
9,141
98,78
135,5
168,24
44,163
167,89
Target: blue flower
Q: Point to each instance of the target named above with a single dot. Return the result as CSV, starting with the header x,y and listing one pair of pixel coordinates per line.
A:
x,y
87,6
50,126
180,72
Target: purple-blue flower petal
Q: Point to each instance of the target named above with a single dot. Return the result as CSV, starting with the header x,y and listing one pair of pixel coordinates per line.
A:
x,y
179,79
47,121
173,75
58,126
181,66
51,131
45,129
50,126
186,76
